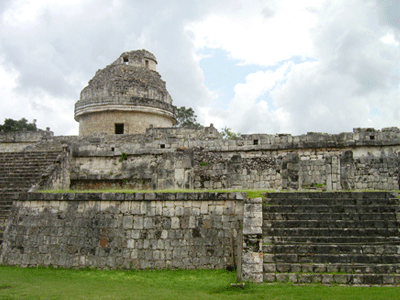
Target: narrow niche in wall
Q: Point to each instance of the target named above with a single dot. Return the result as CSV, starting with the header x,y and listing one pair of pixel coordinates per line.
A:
x,y
146,63
119,128
126,59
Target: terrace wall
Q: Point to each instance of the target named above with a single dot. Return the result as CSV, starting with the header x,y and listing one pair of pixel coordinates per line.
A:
x,y
182,230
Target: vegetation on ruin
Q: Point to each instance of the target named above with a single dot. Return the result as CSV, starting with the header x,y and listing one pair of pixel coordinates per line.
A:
x,y
49,283
185,117
228,134
123,157
11,125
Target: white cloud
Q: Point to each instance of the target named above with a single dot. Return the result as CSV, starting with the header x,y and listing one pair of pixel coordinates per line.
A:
x,y
253,38
351,71
249,110
389,38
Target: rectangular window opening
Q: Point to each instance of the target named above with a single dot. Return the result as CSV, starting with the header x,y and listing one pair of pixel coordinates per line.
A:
x,y
255,142
372,137
119,128
126,59
162,146
112,148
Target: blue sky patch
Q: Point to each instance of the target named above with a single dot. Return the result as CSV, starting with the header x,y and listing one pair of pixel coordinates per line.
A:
x,y
222,73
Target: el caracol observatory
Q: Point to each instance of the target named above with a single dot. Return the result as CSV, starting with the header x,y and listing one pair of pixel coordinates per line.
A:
x,y
126,97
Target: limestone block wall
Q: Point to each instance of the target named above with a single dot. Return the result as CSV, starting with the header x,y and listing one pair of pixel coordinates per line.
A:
x,y
325,169
295,169
182,230
100,172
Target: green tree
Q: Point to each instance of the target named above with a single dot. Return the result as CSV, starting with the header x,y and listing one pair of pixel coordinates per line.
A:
x,y
185,117
228,134
11,125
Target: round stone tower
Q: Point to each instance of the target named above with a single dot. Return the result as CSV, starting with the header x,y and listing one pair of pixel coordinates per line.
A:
x,y
126,97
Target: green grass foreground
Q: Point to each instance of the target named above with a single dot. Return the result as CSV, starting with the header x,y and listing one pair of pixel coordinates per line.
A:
x,y
47,283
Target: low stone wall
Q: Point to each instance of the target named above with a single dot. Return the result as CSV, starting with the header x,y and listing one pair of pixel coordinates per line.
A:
x,y
115,230
19,141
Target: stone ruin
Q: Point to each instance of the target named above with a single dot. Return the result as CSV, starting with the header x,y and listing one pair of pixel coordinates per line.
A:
x,y
126,111
126,141
125,97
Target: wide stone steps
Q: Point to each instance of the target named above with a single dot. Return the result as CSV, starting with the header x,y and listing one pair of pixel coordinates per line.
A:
x,y
332,249
334,258
328,216
382,223
18,172
19,181
353,268
331,202
309,237
335,232
331,239
353,279
328,195
339,209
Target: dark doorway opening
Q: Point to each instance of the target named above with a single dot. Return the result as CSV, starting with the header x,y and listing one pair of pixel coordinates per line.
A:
x,y
119,128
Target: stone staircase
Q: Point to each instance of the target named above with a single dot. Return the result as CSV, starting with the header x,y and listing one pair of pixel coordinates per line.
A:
x,y
344,238
18,172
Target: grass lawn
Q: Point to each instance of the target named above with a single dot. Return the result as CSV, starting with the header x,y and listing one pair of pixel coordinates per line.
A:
x,y
42,283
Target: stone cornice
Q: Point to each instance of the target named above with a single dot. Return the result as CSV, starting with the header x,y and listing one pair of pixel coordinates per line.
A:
x,y
94,108
124,104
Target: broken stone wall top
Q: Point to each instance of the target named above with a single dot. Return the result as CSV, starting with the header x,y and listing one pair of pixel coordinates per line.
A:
x,y
137,58
25,136
359,137
160,140
207,138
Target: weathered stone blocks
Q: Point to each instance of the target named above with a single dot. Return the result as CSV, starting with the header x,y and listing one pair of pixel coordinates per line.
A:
x,y
94,230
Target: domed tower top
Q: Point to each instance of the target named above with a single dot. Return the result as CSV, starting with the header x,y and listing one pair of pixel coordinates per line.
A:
x,y
138,58
126,97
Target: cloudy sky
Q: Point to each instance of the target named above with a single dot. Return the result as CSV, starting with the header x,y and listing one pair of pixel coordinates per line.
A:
x,y
255,66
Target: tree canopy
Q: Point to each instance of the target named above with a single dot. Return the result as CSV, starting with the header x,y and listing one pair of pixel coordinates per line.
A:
x,y
11,125
185,117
